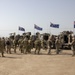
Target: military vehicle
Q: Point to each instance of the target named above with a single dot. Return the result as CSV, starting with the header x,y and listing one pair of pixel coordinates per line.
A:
x,y
53,39
65,39
12,36
44,38
27,35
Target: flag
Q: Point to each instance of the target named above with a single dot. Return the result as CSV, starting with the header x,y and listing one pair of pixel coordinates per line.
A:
x,y
54,25
21,28
37,27
74,24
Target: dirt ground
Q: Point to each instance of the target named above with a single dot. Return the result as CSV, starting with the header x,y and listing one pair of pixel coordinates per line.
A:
x,y
43,64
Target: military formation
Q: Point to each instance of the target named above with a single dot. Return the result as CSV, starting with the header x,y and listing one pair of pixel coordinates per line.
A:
x,y
27,42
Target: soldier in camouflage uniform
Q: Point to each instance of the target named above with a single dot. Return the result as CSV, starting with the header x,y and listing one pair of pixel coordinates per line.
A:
x,y
3,39
8,45
49,45
73,46
25,45
21,44
15,44
43,44
57,43
2,47
29,45
37,45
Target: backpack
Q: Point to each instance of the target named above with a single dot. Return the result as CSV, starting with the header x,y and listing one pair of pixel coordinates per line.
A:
x,y
8,43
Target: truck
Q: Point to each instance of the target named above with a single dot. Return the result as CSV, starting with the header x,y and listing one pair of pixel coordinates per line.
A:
x,y
65,39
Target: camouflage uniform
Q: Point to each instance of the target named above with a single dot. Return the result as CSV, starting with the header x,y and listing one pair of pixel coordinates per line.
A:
x,y
25,45
73,46
49,46
29,45
37,45
3,39
2,47
8,44
57,43
44,44
21,45
15,45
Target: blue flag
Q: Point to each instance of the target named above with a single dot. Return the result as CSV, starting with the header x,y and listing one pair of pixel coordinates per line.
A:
x,y
21,28
74,24
54,25
37,27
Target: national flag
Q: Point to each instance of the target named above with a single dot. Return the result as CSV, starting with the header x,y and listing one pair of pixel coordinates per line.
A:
x,y
74,24
54,25
21,28
37,27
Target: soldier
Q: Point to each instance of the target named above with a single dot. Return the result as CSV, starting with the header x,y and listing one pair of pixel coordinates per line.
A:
x,y
37,45
73,46
3,39
15,44
8,44
21,44
25,45
49,45
2,47
57,43
29,45
44,44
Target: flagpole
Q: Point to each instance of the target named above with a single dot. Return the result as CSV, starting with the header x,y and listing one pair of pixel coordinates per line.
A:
x,y
18,29
34,29
50,28
73,28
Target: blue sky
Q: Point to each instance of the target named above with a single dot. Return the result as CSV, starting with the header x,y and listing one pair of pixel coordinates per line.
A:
x,y
26,13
